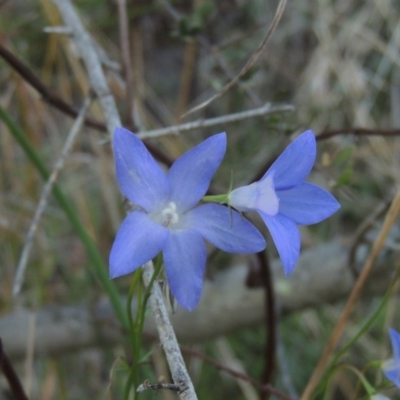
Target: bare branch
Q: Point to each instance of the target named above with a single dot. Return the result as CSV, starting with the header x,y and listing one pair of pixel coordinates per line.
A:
x,y
168,338
267,109
264,388
11,376
126,57
48,96
92,63
146,385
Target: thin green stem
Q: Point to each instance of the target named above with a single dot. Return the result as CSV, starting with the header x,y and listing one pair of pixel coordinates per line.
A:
x,y
129,383
367,386
136,327
231,182
134,334
140,318
136,280
218,198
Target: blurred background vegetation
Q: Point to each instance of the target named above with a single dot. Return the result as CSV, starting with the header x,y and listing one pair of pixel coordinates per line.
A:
x,y
337,61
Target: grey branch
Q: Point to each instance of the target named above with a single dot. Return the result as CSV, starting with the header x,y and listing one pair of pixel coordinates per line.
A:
x,y
146,385
168,338
322,277
92,63
266,109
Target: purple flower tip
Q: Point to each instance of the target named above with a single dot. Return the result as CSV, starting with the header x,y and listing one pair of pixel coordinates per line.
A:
x,y
168,218
391,368
284,200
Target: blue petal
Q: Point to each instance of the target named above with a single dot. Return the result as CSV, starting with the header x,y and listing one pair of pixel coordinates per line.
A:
x,y
391,369
139,176
185,259
393,375
395,339
190,175
286,237
307,204
225,229
294,164
138,240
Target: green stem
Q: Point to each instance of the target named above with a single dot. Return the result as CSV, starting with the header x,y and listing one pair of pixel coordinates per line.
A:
x,y
367,386
136,327
96,264
219,198
141,311
135,282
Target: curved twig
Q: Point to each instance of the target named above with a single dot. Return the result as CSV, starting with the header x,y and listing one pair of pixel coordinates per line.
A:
x,y
11,376
278,15
19,277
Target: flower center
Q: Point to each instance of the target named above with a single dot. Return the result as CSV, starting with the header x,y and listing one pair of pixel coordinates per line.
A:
x,y
169,215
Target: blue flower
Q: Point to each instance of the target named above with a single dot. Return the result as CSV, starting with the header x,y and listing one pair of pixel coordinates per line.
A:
x,y
391,368
168,219
284,200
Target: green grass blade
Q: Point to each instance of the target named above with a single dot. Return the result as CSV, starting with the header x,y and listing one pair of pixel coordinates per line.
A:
x,y
97,264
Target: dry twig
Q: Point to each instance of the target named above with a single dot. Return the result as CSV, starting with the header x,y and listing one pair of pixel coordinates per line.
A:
x,y
146,385
167,336
48,96
354,296
267,109
91,59
11,376
19,277
126,57
278,15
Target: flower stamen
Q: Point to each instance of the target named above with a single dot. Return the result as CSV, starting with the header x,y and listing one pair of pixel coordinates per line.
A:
x,y
169,214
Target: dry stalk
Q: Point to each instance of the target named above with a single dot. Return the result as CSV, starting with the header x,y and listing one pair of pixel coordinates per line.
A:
x,y
19,277
354,296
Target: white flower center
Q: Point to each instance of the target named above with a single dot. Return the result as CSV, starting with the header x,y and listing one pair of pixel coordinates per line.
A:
x,y
169,215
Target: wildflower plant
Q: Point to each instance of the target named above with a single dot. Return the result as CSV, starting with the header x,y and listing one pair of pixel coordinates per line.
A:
x,y
168,217
284,200
173,218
